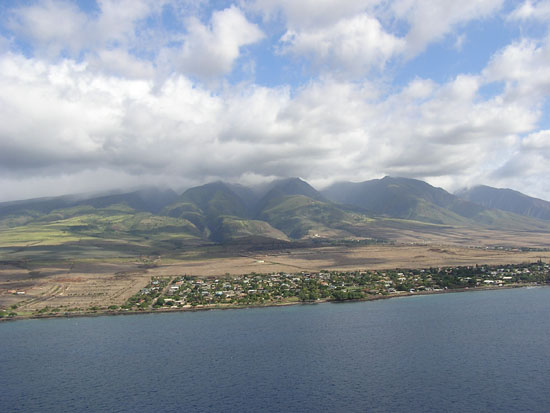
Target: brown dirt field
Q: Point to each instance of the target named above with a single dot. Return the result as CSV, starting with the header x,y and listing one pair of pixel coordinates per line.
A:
x,y
71,289
342,258
463,236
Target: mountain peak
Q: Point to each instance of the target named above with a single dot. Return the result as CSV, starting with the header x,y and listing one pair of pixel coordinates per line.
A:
x,y
292,186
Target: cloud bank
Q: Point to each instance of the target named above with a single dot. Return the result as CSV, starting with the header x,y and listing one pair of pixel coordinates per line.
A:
x,y
119,96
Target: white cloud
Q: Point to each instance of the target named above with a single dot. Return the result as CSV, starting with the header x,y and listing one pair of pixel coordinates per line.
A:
x,y
71,121
352,37
523,66
328,129
418,89
122,63
445,131
52,26
311,14
59,26
538,141
108,39
431,21
538,10
346,37
352,45
527,169
338,36
117,22
210,51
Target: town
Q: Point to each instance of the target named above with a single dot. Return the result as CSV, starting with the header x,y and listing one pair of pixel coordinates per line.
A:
x,y
283,288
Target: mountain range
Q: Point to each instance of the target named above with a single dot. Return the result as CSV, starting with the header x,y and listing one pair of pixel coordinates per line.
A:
x,y
507,200
282,211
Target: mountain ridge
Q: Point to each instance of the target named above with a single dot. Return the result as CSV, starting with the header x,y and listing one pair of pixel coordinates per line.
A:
x,y
507,200
401,198
283,210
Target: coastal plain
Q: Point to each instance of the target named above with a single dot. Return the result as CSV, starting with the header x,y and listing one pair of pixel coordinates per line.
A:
x,y
99,283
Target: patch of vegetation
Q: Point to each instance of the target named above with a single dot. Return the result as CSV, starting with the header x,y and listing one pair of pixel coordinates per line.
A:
x,y
148,296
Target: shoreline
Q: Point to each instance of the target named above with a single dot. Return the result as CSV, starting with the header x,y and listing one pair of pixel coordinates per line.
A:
x,y
266,305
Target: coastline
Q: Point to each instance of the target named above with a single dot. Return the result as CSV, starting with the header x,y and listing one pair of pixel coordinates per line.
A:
x,y
269,304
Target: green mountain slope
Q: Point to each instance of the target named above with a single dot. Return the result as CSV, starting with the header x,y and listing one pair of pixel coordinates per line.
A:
x,y
232,229
279,189
282,211
206,205
299,216
117,225
288,208
507,200
223,212
216,199
412,199
146,200
404,198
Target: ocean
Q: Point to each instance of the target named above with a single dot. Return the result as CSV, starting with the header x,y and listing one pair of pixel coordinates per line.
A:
x,y
463,352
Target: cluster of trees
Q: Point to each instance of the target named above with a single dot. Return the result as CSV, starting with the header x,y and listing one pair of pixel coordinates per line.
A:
x,y
145,299
5,313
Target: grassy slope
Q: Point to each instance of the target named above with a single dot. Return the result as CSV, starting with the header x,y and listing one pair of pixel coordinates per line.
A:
x,y
115,225
497,219
299,216
233,228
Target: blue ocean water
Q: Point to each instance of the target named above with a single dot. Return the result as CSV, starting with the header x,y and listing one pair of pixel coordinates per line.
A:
x,y
478,351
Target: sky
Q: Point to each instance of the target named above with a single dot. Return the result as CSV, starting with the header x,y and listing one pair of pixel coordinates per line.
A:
x,y
107,94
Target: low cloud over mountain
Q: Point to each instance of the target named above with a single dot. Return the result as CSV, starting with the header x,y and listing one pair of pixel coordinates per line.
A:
x,y
109,94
